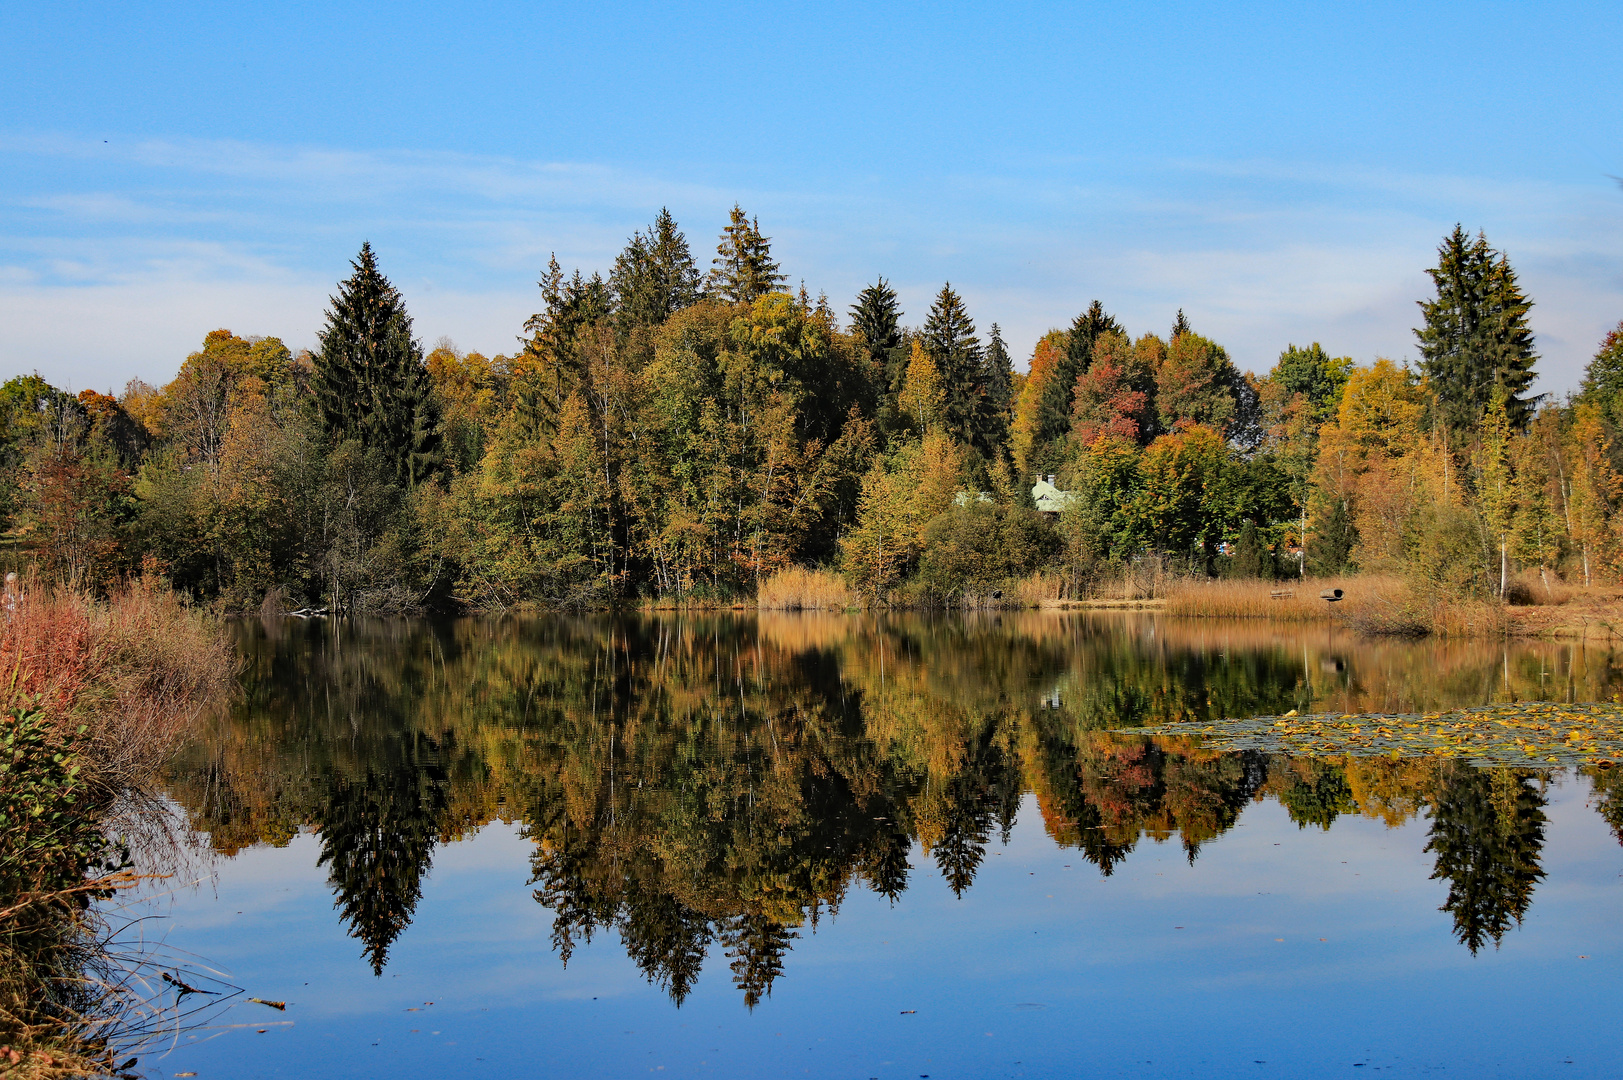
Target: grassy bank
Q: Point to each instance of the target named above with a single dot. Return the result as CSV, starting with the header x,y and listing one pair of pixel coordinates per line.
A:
x,y
1370,603
94,697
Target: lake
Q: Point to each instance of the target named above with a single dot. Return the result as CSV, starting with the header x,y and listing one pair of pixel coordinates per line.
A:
x,y
877,847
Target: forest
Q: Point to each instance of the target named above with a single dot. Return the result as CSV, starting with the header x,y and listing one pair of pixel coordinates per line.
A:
x,y
666,435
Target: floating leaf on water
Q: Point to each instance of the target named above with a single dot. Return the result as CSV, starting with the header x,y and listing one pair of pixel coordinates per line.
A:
x,y
1508,733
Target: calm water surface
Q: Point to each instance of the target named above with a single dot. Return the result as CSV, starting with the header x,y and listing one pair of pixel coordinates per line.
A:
x,y
889,848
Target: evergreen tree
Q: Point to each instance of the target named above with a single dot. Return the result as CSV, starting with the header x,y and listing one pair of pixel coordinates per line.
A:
x,y
377,838
554,366
757,944
1476,335
743,270
1180,327
998,377
1487,832
1603,377
1086,329
1329,546
1054,409
876,319
370,382
1251,558
654,277
949,338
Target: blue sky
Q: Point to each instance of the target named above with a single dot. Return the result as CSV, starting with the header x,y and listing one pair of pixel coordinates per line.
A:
x,y
1281,172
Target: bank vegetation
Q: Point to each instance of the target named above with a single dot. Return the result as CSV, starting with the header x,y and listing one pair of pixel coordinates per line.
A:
x,y
95,697
673,438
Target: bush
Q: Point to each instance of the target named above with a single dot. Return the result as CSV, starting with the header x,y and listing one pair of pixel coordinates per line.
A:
x,y
977,550
132,673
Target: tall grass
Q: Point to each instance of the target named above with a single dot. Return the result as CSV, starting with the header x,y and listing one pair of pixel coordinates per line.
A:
x,y
1370,604
1284,601
797,588
135,671
95,696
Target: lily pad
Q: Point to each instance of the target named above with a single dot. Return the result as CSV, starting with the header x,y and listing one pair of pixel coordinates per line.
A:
x,y
1525,733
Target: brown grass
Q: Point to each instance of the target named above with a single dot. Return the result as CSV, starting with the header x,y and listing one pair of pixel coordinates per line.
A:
x,y
1284,601
1370,604
135,671
796,588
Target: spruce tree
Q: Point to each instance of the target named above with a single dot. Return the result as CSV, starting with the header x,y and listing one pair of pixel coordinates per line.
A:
x,y
1060,398
949,337
1603,377
370,382
554,363
654,277
1086,328
1251,558
1329,546
876,318
998,374
1476,335
1180,327
997,394
743,270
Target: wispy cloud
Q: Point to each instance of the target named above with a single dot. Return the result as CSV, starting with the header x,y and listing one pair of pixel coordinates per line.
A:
x,y
116,257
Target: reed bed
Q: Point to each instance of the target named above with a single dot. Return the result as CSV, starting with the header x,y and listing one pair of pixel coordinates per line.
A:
x,y
1282,601
797,588
135,671
96,696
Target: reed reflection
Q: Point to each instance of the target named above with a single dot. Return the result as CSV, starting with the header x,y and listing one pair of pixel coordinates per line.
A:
x,y
710,787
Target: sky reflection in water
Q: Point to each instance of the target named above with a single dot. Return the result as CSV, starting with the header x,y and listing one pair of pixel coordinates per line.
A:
x,y
884,848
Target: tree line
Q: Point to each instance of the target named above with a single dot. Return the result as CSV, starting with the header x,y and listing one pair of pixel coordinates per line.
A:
x,y
669,434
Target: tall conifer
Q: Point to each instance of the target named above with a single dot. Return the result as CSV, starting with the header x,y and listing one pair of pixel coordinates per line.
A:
x,y
743,270
1086,328
370,382
949,337
654,277
1476,336
876,319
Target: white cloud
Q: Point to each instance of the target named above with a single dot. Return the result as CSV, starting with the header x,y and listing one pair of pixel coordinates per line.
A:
x,y
177,237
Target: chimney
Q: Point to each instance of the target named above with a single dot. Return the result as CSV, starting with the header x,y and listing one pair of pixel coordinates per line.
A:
x,y
1050,479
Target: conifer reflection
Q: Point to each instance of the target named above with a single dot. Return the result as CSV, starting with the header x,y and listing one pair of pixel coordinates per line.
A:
x,y
1487,831
707,789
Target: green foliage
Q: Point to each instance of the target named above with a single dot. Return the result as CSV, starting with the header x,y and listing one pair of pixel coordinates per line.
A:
x,y
655,439
33,413
370,382
1487,831
876,322
1603,376
1316,794
743,270
975,549
654,277
949,338
1251,558
1330,546
1476,336
1313,373
48,837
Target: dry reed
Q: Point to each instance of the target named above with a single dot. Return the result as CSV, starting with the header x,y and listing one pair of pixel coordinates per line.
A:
x,y
797,588
1283,601
135,671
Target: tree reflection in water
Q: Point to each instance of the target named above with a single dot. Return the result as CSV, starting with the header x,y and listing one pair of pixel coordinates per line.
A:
x,y
713,786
